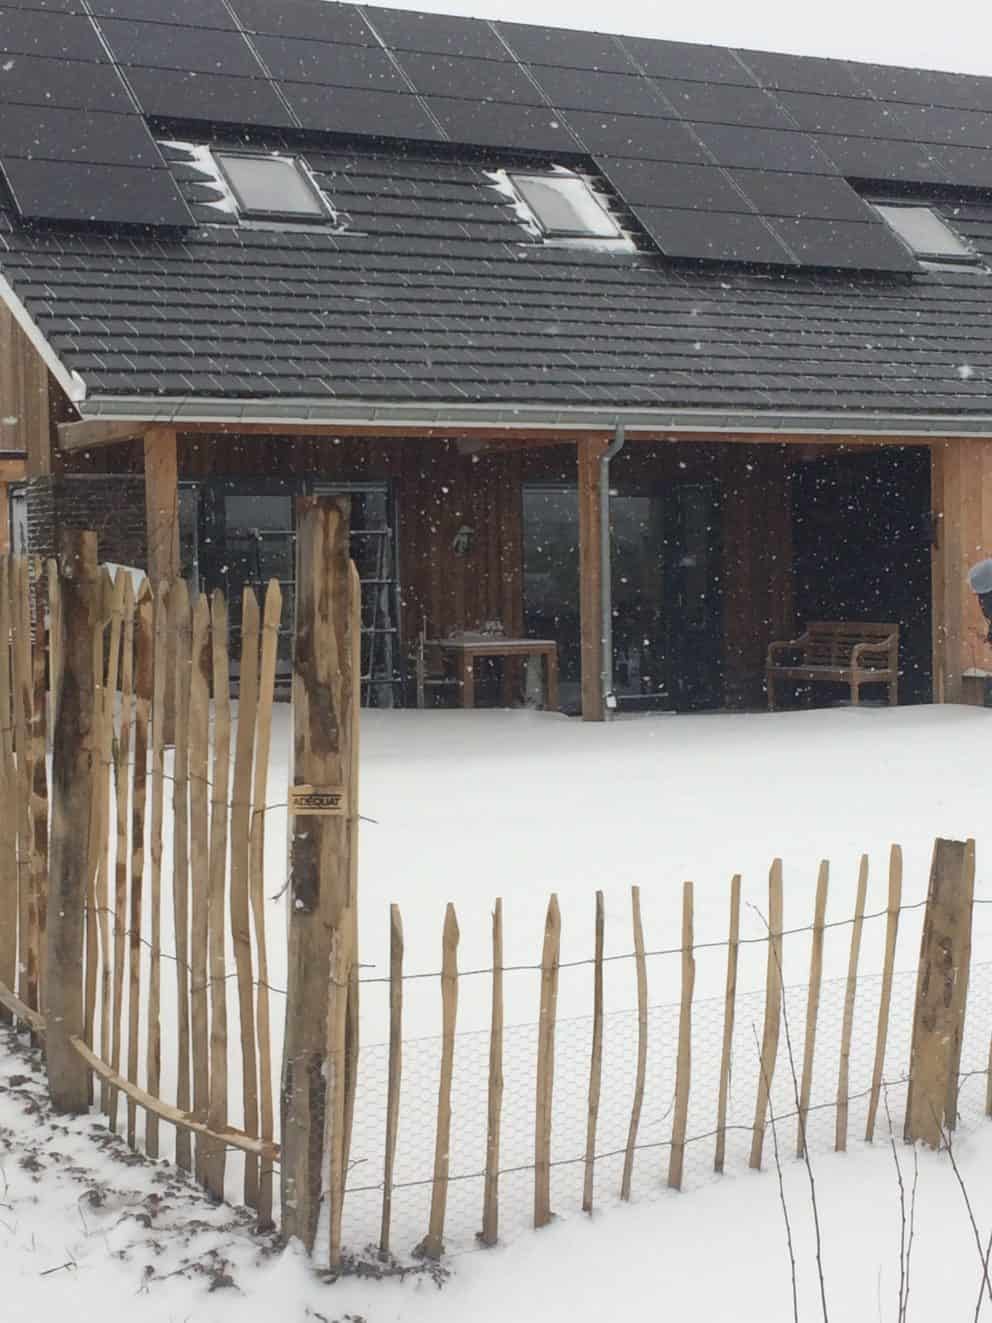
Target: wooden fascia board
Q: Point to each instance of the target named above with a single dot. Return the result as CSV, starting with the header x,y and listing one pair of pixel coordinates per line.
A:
x,y
92,433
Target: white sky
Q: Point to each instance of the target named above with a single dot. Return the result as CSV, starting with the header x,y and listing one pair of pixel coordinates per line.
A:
x,y
920,33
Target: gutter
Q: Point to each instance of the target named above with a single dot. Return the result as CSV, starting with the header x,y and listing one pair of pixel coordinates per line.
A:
x,y
331,413
606,572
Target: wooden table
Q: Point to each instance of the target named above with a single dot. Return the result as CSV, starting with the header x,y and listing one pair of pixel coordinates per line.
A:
x,y
467,649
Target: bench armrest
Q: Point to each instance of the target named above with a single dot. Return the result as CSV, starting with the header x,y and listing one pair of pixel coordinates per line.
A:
x,y
785,645
881,648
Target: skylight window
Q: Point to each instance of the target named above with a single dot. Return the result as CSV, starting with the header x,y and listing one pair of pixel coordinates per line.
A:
x,y
925,233
268,187
565,207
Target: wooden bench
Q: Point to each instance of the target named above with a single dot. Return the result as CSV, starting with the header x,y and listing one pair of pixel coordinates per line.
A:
x,y
851,652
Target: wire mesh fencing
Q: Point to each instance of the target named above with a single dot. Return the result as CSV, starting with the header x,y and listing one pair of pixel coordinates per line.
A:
x,y
414,1177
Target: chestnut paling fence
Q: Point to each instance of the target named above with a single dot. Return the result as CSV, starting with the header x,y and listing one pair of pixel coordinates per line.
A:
x,y
133,945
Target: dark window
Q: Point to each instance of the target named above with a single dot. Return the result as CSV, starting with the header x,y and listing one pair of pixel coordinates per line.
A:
x,y
566,207
924,232
266,186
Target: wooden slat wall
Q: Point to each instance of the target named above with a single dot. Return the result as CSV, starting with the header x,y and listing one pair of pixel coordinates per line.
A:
x,y
962,505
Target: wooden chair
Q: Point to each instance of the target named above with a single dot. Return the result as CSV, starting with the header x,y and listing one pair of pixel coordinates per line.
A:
x,y
851,652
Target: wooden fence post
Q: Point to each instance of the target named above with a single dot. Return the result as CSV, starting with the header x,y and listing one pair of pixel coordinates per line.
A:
x,y
812,1002
885,999
432,1246
339,977
546,1063
773,1013
490,1198
729,1008
843,1076
8,788
941,994
322,839
640,965
73,759
595,1058
684,1067
395,1069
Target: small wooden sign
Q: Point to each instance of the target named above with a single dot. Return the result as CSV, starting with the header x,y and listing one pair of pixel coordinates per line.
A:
x,y
318,801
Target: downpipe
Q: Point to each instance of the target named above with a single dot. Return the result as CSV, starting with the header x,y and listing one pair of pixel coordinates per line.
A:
x,y
606,573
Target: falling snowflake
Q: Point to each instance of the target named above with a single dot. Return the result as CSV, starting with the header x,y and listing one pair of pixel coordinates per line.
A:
x,y
966,371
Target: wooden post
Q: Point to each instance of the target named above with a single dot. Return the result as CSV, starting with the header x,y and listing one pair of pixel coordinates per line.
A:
x,y
244,747
162,504
334,1106
490,1198
143,662
217,910
37,733
182,642
941,994
729,1008
27,915
546,1064
153,1066
843,1075
74,755
199,854
121,760
321,842
395,1069
595,1060
812,1002
271,616
641,968
773,1012
433,1244
590,452
8,789
885,999
114,592
684,1067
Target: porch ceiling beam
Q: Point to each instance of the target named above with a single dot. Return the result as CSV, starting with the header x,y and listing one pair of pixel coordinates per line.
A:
x,y
91,433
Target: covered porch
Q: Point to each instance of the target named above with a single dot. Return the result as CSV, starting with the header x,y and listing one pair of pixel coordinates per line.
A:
x,y
718,544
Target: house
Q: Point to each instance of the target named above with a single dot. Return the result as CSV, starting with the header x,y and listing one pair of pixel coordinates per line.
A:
x,y
505,286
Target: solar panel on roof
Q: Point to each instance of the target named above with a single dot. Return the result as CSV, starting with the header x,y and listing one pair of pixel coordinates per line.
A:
x,y
966,166
636,136
490,123
820,197
437,34
76,191
211,97
563,46
679,59
838,114
360,110
50,133
184,13
34,32
850,244
581,89
716,103
34,80
871,158
671,184
937,124
716,236
487,80
291,60
762,149
312,20
803,73
50,6
193,50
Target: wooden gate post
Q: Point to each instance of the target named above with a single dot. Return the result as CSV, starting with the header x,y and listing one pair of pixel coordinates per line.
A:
x,y
323,812
74,755
941,994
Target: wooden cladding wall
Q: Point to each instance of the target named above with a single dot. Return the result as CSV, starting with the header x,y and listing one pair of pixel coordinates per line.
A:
x,y
440,491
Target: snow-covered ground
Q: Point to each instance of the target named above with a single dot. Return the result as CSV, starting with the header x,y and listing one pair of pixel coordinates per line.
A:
x,y
468,806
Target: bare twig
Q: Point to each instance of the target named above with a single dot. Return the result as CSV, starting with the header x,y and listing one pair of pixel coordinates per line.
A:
x,y
982,1255
781,1183
802,1125
902,1214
